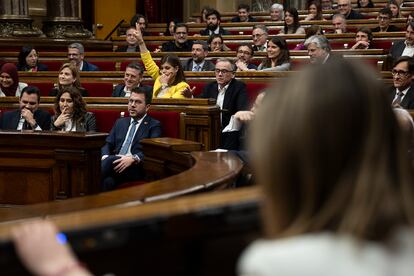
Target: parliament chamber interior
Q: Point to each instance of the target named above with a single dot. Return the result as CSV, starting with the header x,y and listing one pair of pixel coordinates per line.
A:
x,y
197,208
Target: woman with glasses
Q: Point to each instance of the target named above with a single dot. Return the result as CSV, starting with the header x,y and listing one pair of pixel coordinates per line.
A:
x,y
278,58
169,79
216,44
292,25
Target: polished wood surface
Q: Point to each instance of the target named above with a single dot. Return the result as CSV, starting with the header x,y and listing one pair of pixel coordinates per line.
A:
x,y
210,171
38,166
200,118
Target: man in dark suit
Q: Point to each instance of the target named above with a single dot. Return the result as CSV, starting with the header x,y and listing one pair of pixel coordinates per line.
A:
x,y
76,55
28,116
404,47
181,42
402,92
243,14
132,78
384,19
319,49
213,24
122,154
131,40
245,53
231,96
198,61
345,8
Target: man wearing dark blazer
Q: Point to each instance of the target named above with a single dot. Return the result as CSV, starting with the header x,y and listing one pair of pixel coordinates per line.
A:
x,y
198,61
132,78
402,92
122,154
132,42
404,47
213,24
28,116
231,96
76,55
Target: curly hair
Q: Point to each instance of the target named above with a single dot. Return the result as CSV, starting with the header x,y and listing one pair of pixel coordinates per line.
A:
x,y
79,105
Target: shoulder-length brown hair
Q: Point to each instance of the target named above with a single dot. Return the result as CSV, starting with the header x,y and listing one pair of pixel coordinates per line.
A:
x,y
284,55
79,105
331,157
75,73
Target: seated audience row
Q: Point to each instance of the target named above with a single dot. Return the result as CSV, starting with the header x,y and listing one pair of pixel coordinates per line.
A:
x,y
70,112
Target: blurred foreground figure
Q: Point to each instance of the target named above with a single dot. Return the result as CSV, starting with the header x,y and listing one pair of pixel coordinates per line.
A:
x,y
333,165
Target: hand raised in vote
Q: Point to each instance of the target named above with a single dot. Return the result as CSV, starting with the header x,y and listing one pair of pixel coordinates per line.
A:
x,y
138,33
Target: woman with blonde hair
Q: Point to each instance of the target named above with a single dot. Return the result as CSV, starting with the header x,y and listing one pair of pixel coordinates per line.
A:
x,y
337,184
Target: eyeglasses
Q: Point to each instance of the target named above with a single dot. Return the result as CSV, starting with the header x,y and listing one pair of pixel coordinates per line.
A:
x,y
342,5
244,52
257,35
383,18
400,73
223,71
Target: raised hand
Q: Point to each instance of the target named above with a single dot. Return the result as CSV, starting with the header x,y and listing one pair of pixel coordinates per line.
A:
x,y
138,33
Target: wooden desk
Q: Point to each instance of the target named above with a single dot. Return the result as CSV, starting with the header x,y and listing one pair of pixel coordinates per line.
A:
x,y
44,166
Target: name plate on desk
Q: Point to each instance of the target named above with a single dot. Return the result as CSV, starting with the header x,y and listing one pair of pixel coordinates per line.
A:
x,y
39,166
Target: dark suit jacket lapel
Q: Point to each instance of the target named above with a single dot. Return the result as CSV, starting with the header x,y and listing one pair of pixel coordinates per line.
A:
x,y
141,130
228,95
15,119
122,92
408,98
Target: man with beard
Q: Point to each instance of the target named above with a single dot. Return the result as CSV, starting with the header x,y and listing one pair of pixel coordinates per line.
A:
x,y
28,116
198,62
181,42
122,155
213,24
245,53
404,47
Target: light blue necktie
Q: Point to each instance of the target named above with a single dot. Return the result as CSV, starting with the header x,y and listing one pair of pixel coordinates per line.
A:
x,y
128,140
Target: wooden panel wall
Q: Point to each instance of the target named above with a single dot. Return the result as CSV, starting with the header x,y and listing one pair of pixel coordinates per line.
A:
x,y
109,13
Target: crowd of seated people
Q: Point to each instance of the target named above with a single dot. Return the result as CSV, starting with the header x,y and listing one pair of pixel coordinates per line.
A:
x,y
340,221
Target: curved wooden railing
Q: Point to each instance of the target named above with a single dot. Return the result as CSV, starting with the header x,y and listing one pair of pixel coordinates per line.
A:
x,y
210,171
